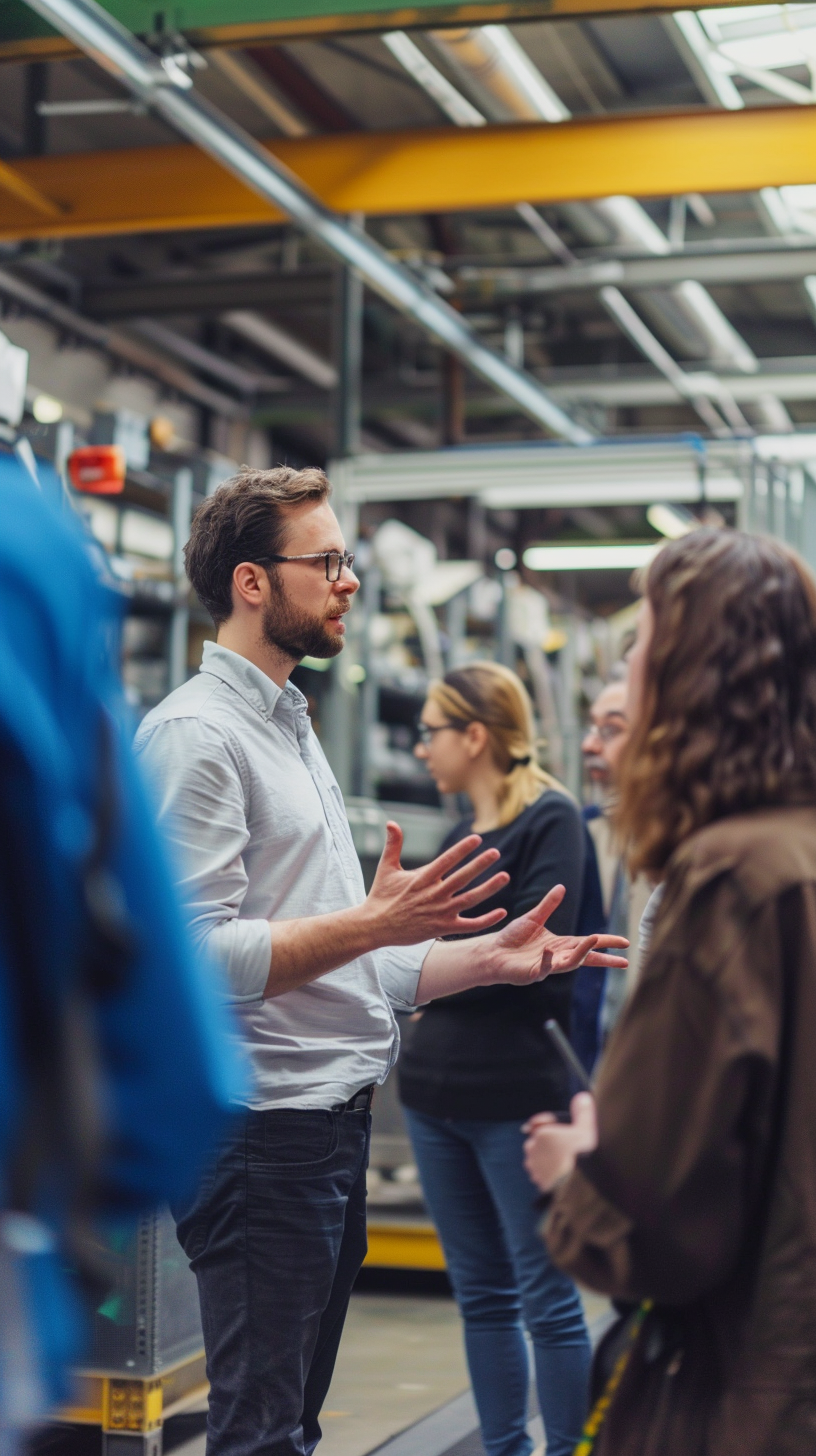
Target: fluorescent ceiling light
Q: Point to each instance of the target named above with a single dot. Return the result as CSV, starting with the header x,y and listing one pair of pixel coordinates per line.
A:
x,y
770,52
529,79
698,42
616,556
800,198
671,521
438,87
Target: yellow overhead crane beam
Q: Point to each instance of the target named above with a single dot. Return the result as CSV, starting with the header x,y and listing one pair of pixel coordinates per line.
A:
x,y
299,25
434,170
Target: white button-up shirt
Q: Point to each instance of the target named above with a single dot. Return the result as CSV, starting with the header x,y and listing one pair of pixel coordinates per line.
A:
x,y
257,823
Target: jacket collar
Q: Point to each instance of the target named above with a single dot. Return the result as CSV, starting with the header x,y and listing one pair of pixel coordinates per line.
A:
x,y
251,684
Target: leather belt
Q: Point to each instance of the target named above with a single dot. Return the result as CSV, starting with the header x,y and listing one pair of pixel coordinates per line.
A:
x,y
360,1102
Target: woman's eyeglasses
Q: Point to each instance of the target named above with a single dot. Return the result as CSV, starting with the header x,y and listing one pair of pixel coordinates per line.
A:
x,y
335,561
426,731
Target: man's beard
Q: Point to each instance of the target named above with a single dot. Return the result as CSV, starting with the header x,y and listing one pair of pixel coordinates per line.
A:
x,y
597,768
298,634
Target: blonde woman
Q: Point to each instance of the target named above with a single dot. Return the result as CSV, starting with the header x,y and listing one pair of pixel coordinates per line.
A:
x,y
479,1063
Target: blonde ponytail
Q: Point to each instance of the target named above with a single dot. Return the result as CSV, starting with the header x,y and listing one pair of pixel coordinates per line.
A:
x,y
486,692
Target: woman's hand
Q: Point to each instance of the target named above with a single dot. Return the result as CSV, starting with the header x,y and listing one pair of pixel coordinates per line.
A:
x,y
525,951
552,1147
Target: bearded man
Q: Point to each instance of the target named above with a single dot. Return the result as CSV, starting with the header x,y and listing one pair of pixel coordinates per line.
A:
x,y
269,873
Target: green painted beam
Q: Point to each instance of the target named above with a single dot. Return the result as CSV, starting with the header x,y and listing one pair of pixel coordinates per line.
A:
x,y
23,36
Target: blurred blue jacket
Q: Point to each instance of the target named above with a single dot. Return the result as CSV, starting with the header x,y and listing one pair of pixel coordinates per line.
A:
x,y
167,1069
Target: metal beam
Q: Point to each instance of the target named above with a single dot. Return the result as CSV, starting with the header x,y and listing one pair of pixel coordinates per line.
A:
x,y
167,89
207,293
244,381
19,187
430,170
281,345
632,390
24,37
121,346
762,264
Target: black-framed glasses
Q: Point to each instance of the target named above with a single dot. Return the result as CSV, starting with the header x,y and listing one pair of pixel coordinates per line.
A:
x,y
426,731
335,561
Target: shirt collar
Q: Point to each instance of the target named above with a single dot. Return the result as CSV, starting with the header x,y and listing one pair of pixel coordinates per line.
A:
x,y
253,685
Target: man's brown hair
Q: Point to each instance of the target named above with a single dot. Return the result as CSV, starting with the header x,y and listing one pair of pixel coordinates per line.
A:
x,y
728,718
244,520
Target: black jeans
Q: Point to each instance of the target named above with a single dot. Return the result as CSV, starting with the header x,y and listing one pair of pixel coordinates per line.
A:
x,y
276,1236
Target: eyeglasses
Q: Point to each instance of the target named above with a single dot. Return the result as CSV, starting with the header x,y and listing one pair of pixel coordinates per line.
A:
x,y
426,731
607,732
335,561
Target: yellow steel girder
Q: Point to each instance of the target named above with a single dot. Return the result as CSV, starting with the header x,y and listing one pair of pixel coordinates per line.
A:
x,y
404,17
434,170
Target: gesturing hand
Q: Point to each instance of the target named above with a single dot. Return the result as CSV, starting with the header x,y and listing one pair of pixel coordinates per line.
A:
x,y
526,951
413,905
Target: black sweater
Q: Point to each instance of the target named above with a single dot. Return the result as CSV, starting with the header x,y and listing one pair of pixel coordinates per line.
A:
x,y
484,1053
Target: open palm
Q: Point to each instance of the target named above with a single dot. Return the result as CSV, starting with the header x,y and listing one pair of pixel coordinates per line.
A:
x,y
526,951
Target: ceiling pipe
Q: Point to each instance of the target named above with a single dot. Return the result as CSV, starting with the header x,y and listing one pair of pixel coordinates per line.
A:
x,y
164,85
280,345
698,390
504,76
244,381
795,261
120,345
241,74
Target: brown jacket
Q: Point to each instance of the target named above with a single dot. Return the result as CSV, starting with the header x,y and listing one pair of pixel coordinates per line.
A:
x,y
702,1191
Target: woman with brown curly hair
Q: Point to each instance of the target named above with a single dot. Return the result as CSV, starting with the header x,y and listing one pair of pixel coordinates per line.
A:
x,y
695,1195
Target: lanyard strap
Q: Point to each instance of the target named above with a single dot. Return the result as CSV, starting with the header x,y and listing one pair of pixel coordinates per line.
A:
x,y
598,1414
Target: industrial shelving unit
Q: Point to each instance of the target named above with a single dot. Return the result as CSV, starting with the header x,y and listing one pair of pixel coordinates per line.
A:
x,y
146,1360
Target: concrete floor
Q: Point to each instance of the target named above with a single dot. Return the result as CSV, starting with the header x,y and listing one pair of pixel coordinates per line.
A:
x,y
401,1357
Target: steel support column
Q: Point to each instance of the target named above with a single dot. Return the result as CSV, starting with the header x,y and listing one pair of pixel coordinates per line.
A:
x,y
348,329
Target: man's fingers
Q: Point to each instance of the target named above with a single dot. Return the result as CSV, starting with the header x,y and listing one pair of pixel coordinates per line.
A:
x,y
467,925
602,943
469,871
450,859
481,892
541,912
390,856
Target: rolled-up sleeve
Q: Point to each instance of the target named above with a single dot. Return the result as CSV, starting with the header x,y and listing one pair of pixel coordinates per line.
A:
x,y
195,773
400,967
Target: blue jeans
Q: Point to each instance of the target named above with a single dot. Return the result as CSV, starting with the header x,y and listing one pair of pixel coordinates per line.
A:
x,y
276,1235
484,1208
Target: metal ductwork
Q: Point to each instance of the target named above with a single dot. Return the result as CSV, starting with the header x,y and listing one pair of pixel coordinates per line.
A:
x,y
164,85
501,75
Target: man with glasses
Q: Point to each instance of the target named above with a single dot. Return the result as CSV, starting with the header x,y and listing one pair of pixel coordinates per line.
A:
x,y
273,885
624,900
